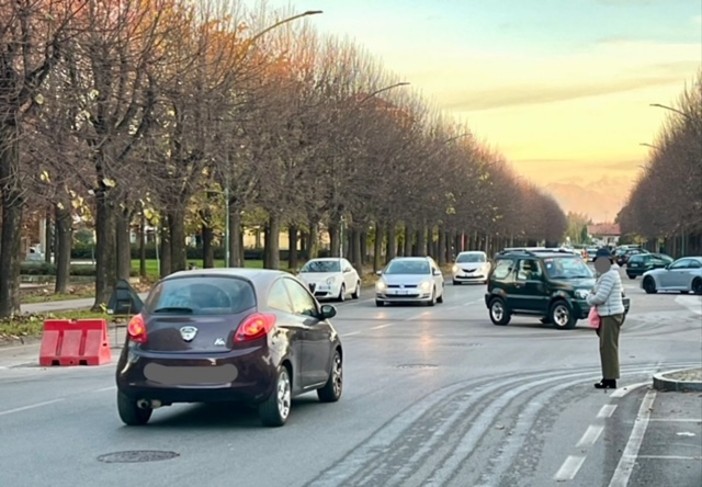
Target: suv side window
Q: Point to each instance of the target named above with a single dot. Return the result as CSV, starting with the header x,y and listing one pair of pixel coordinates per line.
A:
x,y
502,269
528,270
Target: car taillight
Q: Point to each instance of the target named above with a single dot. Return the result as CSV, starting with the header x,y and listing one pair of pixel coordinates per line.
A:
x,y
136,329
254,326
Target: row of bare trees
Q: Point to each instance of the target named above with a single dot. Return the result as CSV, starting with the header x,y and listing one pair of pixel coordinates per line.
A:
x,y
168,112
665,206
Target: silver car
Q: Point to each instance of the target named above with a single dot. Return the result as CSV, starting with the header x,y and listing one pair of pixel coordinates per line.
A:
x,y
410,280
683,275
471,266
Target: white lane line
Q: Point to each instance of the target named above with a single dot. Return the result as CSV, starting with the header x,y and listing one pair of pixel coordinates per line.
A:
x,y
622,474
589,438
105,389
570,468
667,457
350,334
623,391
31,406
473,303
381,326
677,420
607,411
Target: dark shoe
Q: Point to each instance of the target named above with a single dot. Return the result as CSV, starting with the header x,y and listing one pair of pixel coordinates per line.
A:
x,y
606,384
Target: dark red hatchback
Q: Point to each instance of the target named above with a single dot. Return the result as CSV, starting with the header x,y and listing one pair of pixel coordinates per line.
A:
x,y
255,336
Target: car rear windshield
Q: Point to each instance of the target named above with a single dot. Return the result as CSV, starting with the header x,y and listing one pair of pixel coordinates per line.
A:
x,y
408,267
322,266
466,258
200,295
567,268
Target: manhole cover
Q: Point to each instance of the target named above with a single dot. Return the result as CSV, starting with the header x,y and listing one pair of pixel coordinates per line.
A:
x,y
137,456
417,366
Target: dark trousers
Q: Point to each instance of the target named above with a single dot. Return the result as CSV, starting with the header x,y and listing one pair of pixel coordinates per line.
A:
x,y
609,345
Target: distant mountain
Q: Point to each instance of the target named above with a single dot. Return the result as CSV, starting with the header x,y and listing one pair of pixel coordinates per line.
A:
x,y
600,200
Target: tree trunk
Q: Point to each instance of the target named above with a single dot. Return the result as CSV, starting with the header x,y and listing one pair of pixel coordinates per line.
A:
x,y
292,247
207,248
364,245
165,246
142,246
378,246
236,248
312,245
124,247
64,240
409,239
11,231
356,256
104,249
422,249
334,242
391,244
48,237
176,227
273,242
441,246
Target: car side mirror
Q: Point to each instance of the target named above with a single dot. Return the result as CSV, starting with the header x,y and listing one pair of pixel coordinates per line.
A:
x,y
436,272
327,311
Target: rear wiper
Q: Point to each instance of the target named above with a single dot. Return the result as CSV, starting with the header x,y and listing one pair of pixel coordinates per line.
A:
x,y
173,309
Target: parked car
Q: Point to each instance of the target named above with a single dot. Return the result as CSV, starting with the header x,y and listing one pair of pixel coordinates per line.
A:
x,y
471,266
640,263
591,252
549,284
625,255
683,275
331,278
250,335
410,280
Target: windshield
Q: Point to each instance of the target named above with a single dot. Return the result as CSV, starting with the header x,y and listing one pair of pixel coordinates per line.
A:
x,y
408,267
567,268
465,258
200,295
322,266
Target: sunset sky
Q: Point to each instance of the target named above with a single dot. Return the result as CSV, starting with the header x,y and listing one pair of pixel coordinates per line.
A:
x,y
560,87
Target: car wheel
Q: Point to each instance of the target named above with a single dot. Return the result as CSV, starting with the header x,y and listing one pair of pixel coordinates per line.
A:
x,y
331,391
379,303
456,283
342,293
440,299
561,316
499,314
357,292
432,301
275,410
649,285
130,413
697,286
631,276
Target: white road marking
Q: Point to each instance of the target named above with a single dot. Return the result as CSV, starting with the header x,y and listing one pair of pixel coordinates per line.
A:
x,y
589,438
668,457
623,391
622,474
31,406
381,326
607,411
350,334
105,389
570,468
693,303
677,420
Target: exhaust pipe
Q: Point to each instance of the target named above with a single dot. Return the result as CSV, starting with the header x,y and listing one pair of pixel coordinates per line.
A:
x,y
147,404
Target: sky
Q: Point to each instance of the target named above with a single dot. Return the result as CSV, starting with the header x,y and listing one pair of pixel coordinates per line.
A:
x,y
561,88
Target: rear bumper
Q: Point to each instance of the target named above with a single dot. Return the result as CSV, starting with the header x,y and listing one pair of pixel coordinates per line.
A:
x,y
248,377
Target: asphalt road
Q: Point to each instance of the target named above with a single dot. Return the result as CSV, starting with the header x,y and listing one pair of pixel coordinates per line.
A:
x,y
432,397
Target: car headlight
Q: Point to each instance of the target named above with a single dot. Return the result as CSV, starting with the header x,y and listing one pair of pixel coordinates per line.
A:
x,y
380,286
425,286
581,294
331,281
455,268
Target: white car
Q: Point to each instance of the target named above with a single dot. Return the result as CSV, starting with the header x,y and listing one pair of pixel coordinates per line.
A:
x,y
331,278
683,275
410,280
471,266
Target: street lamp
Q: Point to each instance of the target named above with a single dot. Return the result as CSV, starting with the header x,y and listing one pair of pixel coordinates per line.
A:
x,y
666,107
381,90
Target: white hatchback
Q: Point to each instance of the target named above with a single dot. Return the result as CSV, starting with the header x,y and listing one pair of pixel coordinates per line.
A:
x,y
471,266
331,278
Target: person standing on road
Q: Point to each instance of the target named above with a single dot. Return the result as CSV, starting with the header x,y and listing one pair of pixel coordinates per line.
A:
x,y
607,297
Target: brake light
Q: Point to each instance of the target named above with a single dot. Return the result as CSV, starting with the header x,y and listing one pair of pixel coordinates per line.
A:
x,y
136,329
254,326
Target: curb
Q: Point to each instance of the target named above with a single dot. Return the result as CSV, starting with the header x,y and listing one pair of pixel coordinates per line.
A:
x,y
665,384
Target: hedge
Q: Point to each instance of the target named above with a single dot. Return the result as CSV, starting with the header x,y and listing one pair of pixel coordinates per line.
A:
x,y
49,269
